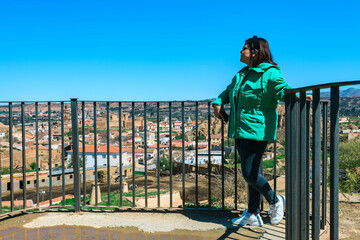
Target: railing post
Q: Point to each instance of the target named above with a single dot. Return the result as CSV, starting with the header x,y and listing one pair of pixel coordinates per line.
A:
x,y
158,152
196,155
50,157
120,159
145,157
315,173
292,148
334,163
84,152
307,192
75,142
133,155
170,155
108,151
62,154
324,165
37,153
209,162
287,166
11,158
23,152
183,151
304,181
95,158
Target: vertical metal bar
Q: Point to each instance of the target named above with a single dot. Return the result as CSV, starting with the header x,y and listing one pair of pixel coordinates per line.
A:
x,y
50,158
307,207
95,155
316,156
196,155
62,154
133,150
302,169
120,156
11,158
334,163
145,157
183,151
324,165
275,164
37,152
294,177
75,142
222,167
108,150
23,153
158,152
83,152
209,156
288,186
170,153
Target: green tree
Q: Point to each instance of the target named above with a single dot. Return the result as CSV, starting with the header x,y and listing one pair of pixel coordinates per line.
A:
x,y
164,161
33,165
190,147
178,137
71,162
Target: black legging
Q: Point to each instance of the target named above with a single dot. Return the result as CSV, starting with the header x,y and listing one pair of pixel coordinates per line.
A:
x,y
251,153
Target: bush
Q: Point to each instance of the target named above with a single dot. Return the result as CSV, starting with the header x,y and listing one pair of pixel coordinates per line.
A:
x,y
349,153
229,187
352,182
349,160
5,170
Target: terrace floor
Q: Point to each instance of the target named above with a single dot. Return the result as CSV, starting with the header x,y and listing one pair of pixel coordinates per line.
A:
x,y
134,225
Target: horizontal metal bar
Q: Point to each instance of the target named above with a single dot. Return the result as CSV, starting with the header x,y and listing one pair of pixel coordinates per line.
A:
x,y
174,101
321,86
19,102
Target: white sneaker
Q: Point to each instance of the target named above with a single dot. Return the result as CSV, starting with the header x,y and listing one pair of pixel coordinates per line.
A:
x,y
276,211
248,219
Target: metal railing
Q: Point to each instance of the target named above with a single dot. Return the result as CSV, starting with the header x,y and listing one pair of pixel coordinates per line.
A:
x,y
301,146
48,123
305,155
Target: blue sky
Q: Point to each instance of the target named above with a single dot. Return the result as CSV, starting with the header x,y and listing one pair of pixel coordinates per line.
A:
x,y
167,50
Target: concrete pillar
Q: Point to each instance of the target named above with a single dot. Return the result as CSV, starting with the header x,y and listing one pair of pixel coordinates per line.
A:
x,y
92,198
125,187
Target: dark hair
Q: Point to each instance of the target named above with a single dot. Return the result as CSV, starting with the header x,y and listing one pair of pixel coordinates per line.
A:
x,y
263,51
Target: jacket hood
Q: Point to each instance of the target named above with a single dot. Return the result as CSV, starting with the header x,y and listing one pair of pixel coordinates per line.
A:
x,y
262,67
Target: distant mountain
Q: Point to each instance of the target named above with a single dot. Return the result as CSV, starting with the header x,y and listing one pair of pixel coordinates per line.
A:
x,y
350,92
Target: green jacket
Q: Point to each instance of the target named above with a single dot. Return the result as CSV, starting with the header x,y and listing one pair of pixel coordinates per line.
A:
x,y
254,95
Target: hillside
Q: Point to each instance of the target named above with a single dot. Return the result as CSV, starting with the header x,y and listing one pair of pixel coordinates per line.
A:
x,y
350,92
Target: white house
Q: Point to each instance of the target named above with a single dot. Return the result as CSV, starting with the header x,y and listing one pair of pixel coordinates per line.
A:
x,y
203,157
101,156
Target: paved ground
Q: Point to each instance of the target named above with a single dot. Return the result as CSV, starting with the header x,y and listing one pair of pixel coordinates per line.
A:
x,y
132,226
274,232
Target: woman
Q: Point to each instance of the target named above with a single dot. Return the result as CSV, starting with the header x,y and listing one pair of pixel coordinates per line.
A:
x,y
254,94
